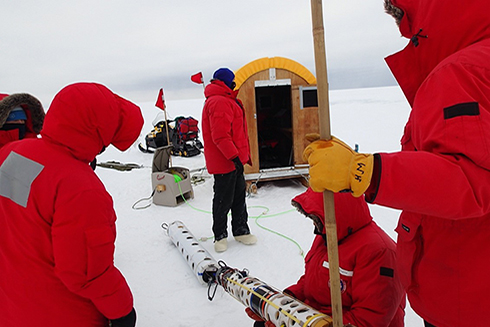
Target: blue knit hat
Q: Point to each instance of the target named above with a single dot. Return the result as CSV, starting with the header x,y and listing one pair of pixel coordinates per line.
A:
x,y
16,114
225,75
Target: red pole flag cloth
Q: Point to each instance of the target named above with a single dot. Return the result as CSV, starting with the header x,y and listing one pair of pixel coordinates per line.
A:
x,y
160,100
197,78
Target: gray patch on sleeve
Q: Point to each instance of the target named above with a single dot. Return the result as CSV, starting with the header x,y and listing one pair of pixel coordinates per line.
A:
x,y
16,176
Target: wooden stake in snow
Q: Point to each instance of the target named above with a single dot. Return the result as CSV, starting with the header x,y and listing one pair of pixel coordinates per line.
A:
x,y
325,133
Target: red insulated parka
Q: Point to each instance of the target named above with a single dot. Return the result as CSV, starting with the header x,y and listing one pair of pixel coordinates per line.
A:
x,y
57,222
372,294
224,129
34,113
441,179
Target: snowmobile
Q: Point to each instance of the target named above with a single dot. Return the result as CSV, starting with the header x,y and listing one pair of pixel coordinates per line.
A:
x,y
183,133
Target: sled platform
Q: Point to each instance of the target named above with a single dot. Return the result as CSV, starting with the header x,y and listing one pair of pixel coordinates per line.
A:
x,y
273,174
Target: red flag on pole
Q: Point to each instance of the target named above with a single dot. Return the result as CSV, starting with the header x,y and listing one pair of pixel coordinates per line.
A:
x,y
160,100
197,78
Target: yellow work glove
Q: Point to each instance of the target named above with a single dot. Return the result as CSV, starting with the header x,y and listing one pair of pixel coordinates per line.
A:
x,y
336,167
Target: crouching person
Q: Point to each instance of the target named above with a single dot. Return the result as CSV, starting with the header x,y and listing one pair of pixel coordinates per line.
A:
x,y
57,220
372,294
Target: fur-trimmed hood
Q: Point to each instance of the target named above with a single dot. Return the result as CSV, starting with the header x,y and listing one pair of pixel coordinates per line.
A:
x,y
31,105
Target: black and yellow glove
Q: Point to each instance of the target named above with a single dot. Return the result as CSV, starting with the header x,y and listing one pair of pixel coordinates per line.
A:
x,y
336,167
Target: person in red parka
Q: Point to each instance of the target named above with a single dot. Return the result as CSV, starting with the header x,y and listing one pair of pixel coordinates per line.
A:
x,y
57,220
372,293
21,116
226,150
441,177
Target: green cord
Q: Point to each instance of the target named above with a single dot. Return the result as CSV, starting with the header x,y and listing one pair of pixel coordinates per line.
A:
x,y
262,215
301,252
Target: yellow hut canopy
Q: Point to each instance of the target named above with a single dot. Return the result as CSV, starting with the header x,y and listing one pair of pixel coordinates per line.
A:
x,y
253,67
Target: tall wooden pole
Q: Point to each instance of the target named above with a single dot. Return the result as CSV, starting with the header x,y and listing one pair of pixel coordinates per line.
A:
x,y
325,133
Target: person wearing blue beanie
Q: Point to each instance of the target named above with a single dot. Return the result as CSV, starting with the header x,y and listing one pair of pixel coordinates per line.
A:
x,y
226,76
226,150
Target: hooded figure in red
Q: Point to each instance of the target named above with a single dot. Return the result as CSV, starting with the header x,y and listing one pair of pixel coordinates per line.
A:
x,y
57,222
21,116
441,178
372,294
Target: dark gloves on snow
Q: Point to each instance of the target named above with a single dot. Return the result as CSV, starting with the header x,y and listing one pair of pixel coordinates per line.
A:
x,y
238,165
127,321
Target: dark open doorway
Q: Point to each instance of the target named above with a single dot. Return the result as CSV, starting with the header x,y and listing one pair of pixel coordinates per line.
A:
x,y
274,126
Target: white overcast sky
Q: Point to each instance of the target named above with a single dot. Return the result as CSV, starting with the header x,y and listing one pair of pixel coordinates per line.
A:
x,y
137,47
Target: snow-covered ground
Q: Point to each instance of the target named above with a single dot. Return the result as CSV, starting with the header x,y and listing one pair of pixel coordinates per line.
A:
x,y
165,289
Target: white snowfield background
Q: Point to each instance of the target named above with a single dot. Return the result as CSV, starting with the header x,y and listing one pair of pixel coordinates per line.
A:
x,y
166,292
